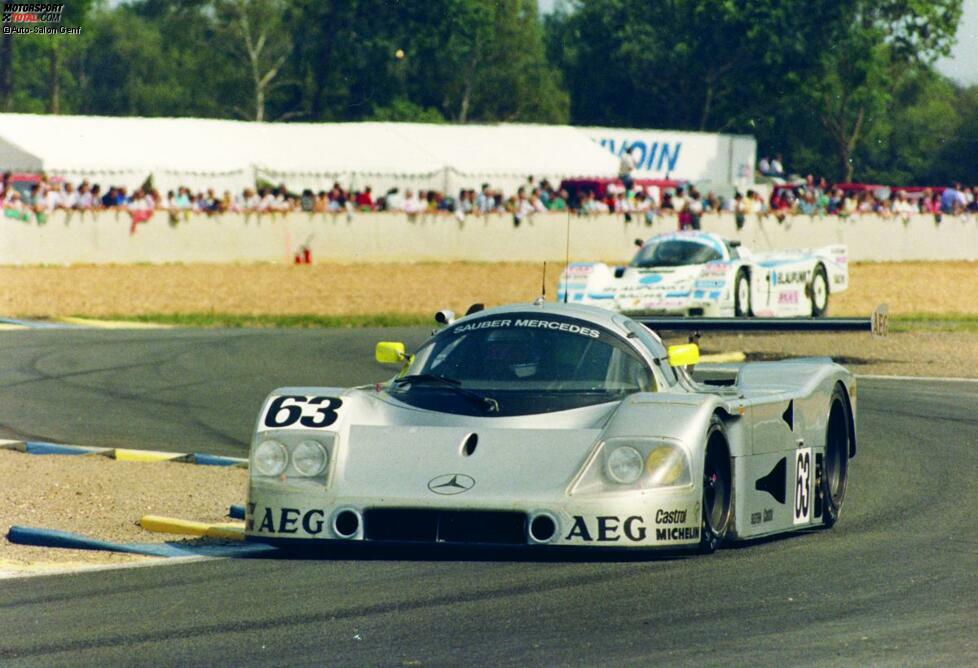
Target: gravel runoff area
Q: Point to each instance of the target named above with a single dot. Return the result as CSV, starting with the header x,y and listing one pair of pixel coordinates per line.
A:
x,y
104,498
348,289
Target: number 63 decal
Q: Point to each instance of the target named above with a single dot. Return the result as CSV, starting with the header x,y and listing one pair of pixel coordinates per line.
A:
x,y
300,412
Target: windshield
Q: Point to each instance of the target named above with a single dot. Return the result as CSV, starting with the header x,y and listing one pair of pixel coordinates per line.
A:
x,y
526,364
675,253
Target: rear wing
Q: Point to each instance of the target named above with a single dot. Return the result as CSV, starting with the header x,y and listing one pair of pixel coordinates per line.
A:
x,y
877,323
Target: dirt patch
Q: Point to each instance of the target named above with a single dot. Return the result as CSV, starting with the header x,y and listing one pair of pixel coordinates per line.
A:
x,y
104,498
944,354
346,289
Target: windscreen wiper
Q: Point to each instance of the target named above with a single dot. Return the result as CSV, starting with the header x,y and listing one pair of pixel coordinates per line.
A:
x,y
490,404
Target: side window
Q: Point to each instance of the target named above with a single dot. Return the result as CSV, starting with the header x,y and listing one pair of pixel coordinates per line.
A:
x,y
654,346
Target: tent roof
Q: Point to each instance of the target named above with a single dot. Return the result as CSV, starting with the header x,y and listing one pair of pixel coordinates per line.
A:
x,y
94,143
512,150
364,148
206,146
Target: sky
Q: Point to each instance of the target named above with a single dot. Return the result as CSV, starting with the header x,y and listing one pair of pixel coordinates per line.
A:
x,y
961,65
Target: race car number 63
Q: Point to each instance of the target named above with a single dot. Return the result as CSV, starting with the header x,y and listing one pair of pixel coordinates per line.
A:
x,y
299,412
803,486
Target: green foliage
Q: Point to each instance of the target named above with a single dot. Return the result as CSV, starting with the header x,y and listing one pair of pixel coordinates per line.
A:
x,y
843,88
405,111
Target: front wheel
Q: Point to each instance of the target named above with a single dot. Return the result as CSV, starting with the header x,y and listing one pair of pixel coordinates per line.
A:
x,y
717,483
820,292
742,294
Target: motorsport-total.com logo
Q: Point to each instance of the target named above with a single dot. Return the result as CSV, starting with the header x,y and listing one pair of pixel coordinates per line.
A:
x,y
34,18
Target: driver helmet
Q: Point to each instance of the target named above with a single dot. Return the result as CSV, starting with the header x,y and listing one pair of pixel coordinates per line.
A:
x,y
513,350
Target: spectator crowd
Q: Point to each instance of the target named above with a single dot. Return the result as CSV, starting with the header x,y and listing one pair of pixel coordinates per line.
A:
x,y
26,196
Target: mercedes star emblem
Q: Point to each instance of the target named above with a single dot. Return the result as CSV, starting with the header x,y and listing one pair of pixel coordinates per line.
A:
x,y
451,483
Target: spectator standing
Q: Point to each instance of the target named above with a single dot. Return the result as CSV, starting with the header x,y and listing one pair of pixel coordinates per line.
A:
x,y
412,205
973,200
70,197
695,208
903,207
626,166
365,200
679,205
740,210
558,201
522,207
485,202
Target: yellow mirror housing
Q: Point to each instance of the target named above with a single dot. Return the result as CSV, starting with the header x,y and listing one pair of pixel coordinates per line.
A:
x,y
390,352
686,354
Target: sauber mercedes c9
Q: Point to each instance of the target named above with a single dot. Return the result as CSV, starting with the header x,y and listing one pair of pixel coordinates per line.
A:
x,y
557,425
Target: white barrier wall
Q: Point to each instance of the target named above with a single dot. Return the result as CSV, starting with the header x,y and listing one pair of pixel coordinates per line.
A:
x,y
76,238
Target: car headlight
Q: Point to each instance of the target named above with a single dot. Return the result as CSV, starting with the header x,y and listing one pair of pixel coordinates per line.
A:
x,y
628,464
624,465
271,458
667,466
309,458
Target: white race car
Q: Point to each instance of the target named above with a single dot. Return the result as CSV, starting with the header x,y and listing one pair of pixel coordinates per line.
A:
x,y
558,425
703,274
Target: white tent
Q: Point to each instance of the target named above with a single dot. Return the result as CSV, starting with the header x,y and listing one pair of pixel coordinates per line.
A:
x,y
505,155
198,153
230,155
315,155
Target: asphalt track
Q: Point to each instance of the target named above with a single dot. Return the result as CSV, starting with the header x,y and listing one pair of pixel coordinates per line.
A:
x,y
893,583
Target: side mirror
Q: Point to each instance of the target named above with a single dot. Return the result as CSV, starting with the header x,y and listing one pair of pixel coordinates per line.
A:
x,y
390,352
686,354
445,317
639,243
734,243
619,272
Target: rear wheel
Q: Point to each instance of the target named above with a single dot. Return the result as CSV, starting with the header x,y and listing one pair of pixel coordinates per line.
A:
x,y
742,294
820,292
834,474
717,483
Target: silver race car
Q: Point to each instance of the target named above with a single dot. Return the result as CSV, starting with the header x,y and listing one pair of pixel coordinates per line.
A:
x,y
702,274
558,425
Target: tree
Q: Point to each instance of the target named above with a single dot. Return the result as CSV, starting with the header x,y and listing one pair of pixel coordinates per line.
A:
x,y
875,44
259,39
75,15
955,159
685,64
6,71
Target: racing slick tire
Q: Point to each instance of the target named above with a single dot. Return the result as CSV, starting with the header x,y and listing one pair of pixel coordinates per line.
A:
x,y
742,294
717,486
819,291
833,475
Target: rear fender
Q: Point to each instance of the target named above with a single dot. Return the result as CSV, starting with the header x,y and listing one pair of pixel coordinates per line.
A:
x,y
835,259
587,283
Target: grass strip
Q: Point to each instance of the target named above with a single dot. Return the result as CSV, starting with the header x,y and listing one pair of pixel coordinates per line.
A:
x,y
298,321
943,322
